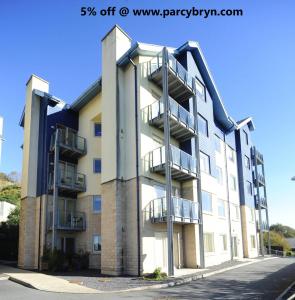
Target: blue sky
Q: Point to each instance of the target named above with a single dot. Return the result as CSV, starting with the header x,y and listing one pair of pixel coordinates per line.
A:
x,y
251,58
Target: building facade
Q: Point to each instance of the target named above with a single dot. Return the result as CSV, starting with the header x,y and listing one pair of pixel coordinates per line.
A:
x,y
144,169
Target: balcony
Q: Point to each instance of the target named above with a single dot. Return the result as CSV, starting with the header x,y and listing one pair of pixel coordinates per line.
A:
x,y
263,226
183,210
258,179
258,155
68,221
68,179
183,165
182,122
263,202
180,82
70,144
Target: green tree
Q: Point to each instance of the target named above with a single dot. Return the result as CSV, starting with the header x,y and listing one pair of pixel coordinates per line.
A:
x,y
277,239
13,217
286,231
11,194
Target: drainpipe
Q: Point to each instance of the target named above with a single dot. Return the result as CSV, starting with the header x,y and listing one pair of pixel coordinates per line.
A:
x,y
199,186
228,204
137,169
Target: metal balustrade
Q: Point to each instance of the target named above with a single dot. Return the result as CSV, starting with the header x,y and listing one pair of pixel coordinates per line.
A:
x,y
258,179
68,180
263,202
180,82
183,210
70,143
183,165
256,154
74,221
263,226
182,122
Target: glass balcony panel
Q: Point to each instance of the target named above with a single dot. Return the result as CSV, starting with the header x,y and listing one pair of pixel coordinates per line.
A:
x,y
177,207
172,62
195,211
183,114
186,204
173,107
185,160
181,71
158,157
175,156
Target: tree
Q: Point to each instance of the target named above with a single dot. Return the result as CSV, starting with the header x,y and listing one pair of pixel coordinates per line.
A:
x,y
286,231
11,194
276,239
13,217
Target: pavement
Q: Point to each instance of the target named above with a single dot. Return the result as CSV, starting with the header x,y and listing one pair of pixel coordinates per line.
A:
x,y
95,284
266,279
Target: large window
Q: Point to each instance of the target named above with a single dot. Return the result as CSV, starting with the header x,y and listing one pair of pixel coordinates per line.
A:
x,y
223,238
247,162
253,242
96,165
202,125
209,242
231,154
221,208
207,202
219,175
235,212
217,143
249,188
96,205
96,243
252,215
232,183
200,89
204,163
97,129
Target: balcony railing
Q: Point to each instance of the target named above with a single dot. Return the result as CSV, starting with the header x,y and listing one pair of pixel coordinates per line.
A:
x,y
258,155
183,165
263,202
74,221
69,180
182,122
70,143
258,179
180,82
263,226
183,210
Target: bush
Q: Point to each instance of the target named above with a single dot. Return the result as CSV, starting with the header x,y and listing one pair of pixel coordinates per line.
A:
x,y
58,261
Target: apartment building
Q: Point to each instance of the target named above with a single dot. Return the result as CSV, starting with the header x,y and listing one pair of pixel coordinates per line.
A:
x,y
144,169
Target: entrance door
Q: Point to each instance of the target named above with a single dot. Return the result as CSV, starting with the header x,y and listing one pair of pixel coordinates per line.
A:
x,y
235,246
68,245
161,250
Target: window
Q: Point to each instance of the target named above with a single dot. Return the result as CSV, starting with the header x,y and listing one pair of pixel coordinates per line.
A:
x,y
200,88
204,163
97,165
231,154
217,143
202,125
207,202
232,183
97,129
96,205
249,187
209,242
246,137
252,215
221,208
223,242
247,162
235,212
96,243
253,242
219,175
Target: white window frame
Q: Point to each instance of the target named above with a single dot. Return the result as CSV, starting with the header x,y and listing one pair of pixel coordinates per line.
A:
x,y
209,242
205,163
219,201
96,251
219,177
223,237
233,182
93,199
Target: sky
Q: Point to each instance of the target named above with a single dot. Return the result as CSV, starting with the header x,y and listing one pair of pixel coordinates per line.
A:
x,y
251,59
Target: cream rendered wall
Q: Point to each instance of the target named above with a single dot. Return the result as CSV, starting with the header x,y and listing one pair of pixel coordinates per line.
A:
x,y
31,132
114,45
88,115
234,199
